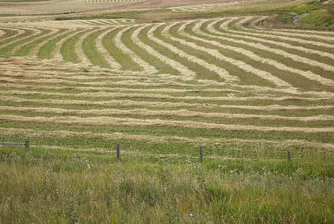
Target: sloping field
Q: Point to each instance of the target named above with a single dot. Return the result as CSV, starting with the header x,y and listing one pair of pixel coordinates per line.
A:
x,y
59,6
168,85
259,100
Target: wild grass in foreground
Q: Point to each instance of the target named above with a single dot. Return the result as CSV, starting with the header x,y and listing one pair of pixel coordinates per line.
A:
x,y
57,186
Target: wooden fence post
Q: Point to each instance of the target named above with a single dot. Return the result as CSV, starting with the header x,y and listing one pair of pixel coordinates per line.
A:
x,y
118,152
201,154
26,144
288,156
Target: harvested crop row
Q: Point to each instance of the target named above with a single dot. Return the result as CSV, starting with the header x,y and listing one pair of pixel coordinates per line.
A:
x,y
305,35
273,34
69,47
134,137
160,96
82,57
215,53
12,38
7,46
99,44
185,73
118,42
306,96
113,103
185,55
257,38
40,33
10,33
169,113
31,47
318,32
103,120
225,28
132,82
220,71
35,51
171,89
196,29
307,74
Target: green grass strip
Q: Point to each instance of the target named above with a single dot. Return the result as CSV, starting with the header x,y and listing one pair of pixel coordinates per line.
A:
x,y
141,52
91,51
68,48
124,60
26,49
47,50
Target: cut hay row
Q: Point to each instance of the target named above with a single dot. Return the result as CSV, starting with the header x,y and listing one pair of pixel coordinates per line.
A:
x,y
207,116
220,71
130,89
240,64
155,104
38,49
173,88
38,80
119,43
106,22
274,34
79,49
317,32
254,37
34,52
10,35
294,33
133,81
327,39
31,47
294,57
27,41
176,82
57,51
307,74
196,29
165,113
223,73
99,44
104,120
185,73
160,96
210,30
134,137
85,80
28,33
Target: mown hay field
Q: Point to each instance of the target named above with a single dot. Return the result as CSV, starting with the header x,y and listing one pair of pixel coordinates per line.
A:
x,y
245,92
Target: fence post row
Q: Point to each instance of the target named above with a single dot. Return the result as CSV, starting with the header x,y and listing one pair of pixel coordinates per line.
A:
x,y
201,154
288,155
26,144
118,152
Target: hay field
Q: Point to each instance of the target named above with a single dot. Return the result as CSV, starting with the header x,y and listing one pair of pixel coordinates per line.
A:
x,y
222,78
244,91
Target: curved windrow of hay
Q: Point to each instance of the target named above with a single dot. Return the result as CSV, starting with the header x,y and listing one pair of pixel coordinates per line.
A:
x,y
171,85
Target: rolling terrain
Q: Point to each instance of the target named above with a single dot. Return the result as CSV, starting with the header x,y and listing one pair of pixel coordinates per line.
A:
x,y
233,83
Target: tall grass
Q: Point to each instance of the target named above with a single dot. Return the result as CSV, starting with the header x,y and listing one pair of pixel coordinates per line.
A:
x,y
46,185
